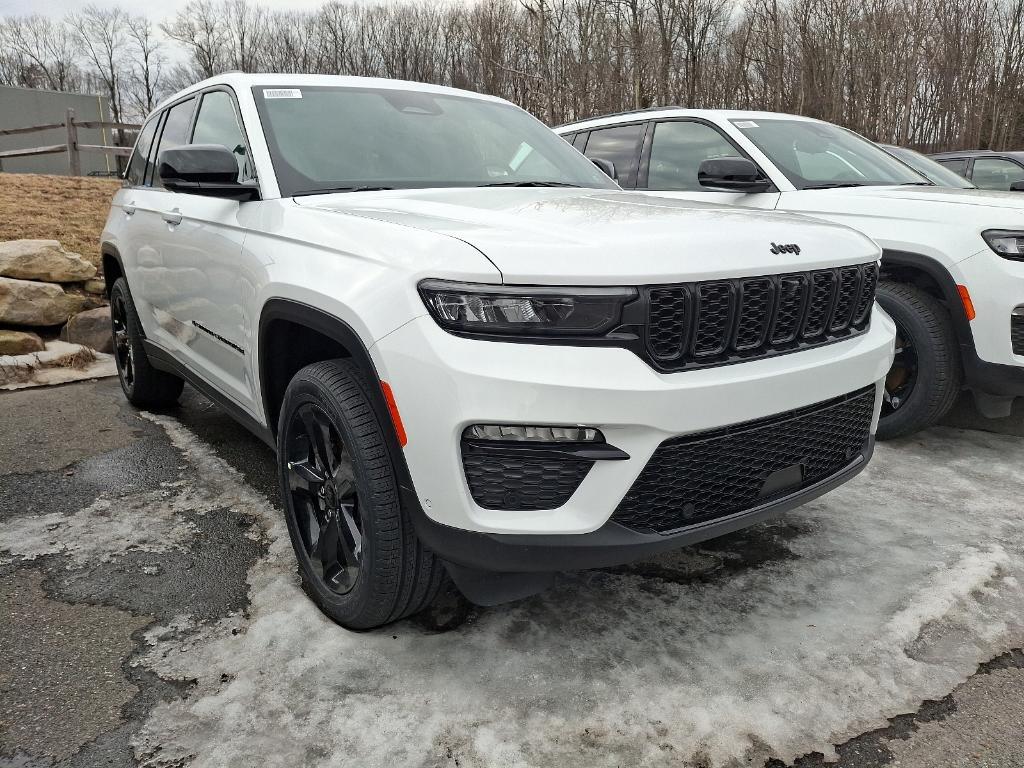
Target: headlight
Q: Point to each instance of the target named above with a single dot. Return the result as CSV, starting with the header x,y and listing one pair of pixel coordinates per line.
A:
x,y
524,310
1008,244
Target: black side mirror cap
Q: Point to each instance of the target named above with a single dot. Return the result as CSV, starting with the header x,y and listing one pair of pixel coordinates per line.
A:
x,y
732,174
1017,186
204,169
607,167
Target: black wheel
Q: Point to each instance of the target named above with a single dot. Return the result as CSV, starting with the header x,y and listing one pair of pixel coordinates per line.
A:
x,y
358,555
925,377
143,384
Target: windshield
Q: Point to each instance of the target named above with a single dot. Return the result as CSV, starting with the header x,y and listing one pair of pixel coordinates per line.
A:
x,y
934,172
816,155
348,139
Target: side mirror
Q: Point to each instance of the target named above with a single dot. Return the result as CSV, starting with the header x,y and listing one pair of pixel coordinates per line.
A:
x,y
732,174
1017,186
607,167
204,169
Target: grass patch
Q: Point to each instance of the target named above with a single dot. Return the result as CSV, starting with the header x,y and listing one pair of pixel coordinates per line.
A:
x,y
66,208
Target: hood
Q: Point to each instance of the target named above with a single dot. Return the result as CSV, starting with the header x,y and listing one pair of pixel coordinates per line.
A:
x,y
1013,201
579,236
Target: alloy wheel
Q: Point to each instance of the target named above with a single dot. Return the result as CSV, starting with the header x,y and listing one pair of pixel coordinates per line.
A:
x,y
902,376
324,499
122,344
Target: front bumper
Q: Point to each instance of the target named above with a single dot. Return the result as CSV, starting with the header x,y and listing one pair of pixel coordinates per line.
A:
x,y
443,383
996,286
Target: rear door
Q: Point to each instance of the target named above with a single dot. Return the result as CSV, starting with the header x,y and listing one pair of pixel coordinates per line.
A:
x,y
672,154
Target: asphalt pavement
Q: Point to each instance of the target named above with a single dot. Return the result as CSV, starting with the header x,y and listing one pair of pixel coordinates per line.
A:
x,y
151,616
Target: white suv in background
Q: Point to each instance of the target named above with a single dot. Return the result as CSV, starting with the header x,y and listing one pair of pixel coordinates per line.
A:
x,y
952,262
474,354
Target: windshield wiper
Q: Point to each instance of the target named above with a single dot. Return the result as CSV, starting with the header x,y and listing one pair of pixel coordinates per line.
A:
x,y
529,184
917,184
836,185
329,190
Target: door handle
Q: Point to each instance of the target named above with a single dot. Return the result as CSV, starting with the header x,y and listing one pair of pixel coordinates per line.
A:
x,y
129,208
172,217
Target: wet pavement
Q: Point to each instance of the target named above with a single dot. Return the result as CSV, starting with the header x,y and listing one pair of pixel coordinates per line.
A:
x,y
151,616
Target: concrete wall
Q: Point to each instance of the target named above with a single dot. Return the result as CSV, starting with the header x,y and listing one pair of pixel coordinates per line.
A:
x,y
21,107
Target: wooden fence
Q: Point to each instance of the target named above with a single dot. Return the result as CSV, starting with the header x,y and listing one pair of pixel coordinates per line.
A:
x,y
71,145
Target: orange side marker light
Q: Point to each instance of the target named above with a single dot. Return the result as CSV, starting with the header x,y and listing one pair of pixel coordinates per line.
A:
x,y
396,417
965,297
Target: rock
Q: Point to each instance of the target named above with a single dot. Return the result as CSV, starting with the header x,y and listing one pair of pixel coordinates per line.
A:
x,y
43,260
19,342
23,302
97,287
90,329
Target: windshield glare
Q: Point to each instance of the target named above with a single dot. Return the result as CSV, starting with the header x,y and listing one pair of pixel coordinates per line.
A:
x,y
933,171
324,138
820,155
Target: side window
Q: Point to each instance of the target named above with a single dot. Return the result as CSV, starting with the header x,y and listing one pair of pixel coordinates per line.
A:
x,y
175,132
580,140
996,173
136,173
619,145
218,123
956,166
678,149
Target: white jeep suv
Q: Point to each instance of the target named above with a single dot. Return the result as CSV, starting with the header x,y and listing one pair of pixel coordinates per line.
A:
x,y
475,355
953,259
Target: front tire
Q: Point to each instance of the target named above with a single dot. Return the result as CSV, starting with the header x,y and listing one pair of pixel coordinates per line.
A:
x,y
358,555
143,385
926,375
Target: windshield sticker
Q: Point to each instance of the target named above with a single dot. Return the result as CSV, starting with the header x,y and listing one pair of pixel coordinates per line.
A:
x,y
282,93
745,124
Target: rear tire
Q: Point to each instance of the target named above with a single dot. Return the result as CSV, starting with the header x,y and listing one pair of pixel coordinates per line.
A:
x,y
143,385
358,555
929,361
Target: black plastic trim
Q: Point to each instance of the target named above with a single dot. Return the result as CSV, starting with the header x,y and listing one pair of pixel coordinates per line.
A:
x,y
539,450
611,544
160,358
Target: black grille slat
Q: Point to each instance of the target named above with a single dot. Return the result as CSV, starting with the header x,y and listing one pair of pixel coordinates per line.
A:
x,y
724,321
823,285
790,311
697,478
869,273
846,299
668,329
753,322
714,315
1017,334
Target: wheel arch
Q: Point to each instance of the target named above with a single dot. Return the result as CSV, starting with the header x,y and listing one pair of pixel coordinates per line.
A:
x,y
929,275
292,335
113,267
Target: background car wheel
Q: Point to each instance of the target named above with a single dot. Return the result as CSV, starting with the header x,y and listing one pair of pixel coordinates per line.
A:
x,y
143,384
925,377
357,552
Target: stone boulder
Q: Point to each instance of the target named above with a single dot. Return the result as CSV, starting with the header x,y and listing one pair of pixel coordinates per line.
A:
x,y
43,260
23,302
97,287
19,342
90,329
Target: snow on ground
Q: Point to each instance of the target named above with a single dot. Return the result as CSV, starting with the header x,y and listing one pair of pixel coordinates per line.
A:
x,y
895,588
884,593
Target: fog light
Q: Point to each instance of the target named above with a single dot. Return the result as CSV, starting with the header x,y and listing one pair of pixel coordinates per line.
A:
x,y
533,434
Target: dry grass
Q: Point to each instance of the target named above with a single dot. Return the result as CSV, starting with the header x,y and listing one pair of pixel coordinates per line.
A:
x,y
70,209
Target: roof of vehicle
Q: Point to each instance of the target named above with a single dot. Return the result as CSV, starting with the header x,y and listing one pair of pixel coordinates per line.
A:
x,y
659,112
1016,154
241,81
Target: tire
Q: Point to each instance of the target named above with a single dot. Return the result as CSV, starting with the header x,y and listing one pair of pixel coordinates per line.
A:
x,y
143,385
925,333
383,574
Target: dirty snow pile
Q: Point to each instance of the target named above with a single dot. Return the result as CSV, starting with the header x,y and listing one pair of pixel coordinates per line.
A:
x,y
882,594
